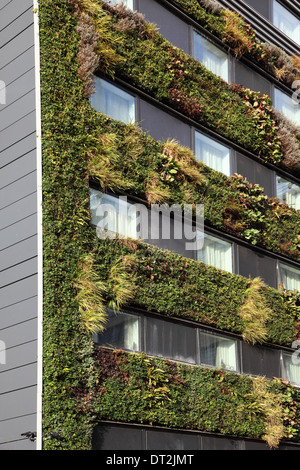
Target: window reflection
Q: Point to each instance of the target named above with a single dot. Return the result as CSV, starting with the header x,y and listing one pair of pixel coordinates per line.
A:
x,y
212,154
121,332
217,351
112,101
216,252
213,58
288,192
286,22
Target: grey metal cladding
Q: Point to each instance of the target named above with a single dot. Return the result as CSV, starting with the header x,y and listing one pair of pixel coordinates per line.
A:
x,y
264,8
18,226
162,126
176,31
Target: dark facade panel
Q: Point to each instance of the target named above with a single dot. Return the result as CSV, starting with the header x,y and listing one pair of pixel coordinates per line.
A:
x,y
176,31
164,440
256,173
262,7
252,264
258,360
126,437
162,126
112,437
247,77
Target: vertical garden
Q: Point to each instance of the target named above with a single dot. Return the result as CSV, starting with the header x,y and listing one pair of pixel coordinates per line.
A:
x,y
83,275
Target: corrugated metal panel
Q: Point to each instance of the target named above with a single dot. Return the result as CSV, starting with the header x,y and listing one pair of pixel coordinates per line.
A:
x,y
18,227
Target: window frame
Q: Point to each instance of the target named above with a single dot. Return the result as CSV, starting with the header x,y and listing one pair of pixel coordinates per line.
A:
x,y
289,13
278,93
286,181
108,83
222,240
284,372
228,73
229,163
283,264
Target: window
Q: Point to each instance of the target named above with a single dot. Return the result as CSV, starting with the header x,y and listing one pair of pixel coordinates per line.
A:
x,y
290,277
288,192
212,154
291,368
286,22
112,101
213,58
216,252
127,3
112,214
218,351
122,332
286,104
171,340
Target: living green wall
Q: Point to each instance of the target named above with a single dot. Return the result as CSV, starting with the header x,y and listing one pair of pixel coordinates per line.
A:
x,y
80,385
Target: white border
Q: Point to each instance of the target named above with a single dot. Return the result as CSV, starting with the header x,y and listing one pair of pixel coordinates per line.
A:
x,y
39,431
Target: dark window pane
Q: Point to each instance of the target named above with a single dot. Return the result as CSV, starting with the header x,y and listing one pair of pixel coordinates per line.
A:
x,y
221,443
162,440
168,339
107,437
122,332
218,351
259,360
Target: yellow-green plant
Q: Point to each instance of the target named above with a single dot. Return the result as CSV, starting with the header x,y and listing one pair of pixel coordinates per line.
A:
x,y
270,404
90,296
122,282
255,312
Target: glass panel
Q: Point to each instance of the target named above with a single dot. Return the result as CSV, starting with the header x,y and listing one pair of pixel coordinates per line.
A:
x,y
287,105
212,154
288,192
213,58
216,252
111,100
286,22
167,339
260,360
217,351
122,331
291,368
113,214
290,277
